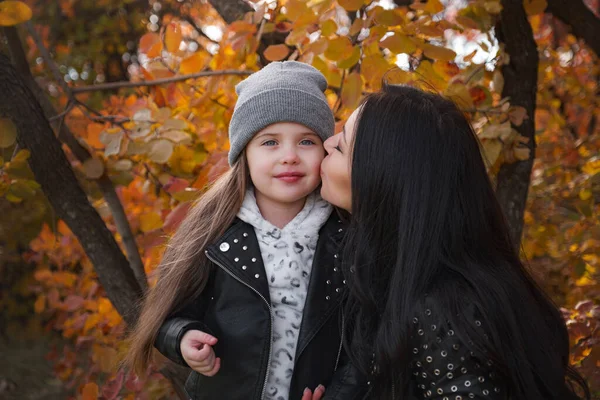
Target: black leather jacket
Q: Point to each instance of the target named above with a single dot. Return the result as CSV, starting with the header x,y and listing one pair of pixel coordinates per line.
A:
x,y
235,308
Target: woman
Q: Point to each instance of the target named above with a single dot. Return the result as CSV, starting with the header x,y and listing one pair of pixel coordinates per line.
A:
x,y
440,306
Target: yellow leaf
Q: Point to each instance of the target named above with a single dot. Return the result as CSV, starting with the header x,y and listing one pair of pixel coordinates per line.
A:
x,y
459,93
351,5
433,7
491,150
438,53
150,221
389,17
93,168
372,69
427,73
173,37
160,150
194,63
328,27
352,90
90,391
40,304
585,194
398,43
350,61
592,167
14,12
533,7
338,48
276,52
356,27
8,131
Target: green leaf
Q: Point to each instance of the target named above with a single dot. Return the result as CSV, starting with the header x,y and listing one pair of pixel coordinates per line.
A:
x,y
8,132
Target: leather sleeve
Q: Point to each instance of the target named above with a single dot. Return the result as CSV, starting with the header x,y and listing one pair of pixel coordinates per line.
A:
x,y
347,382
445,368
170,334
177,324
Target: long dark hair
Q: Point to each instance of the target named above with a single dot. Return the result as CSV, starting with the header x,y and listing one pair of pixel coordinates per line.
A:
x,y
425,219
184,269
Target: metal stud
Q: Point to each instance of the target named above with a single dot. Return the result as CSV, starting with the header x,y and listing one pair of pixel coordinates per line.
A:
x,y
468,383
429,359
415,320
433,327
327,297
235,240
444,353
224,247
335,256
420,332
337,290
335,269
481,379
454,388
486,392
245,248
450,367
436,372
450,375
459,397
340,230
328,282
236,259
257,276
416,351
253,259
344,281
245,235
244,267
428,312
478,323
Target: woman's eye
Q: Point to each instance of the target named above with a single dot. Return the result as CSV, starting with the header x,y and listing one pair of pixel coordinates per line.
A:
x,y
337,147
307,142
269,143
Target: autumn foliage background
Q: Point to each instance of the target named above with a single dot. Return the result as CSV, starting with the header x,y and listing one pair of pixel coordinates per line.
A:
x,y
140,92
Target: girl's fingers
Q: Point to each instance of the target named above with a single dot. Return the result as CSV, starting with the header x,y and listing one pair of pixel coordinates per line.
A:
x,y
215,369
307,395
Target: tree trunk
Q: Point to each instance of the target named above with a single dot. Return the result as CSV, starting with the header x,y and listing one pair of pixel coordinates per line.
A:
x,y
520,85
53,172
584,24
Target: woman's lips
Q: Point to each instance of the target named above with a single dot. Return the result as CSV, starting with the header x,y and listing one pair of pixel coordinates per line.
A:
x,y
290,177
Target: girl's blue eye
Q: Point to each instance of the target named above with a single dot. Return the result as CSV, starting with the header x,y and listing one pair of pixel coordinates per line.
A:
x,y
307,142
269,143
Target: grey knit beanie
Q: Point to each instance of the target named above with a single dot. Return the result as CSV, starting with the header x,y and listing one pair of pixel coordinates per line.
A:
x,y
287,91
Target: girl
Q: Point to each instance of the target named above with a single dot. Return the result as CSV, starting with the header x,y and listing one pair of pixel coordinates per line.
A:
x,y
249,289
440,305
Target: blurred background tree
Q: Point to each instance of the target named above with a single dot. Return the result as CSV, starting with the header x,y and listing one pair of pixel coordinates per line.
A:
x,y
114,115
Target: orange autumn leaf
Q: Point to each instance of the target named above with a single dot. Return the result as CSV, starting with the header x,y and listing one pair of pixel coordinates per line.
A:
x,y
194,63
276,52
173,37
151,44
90,391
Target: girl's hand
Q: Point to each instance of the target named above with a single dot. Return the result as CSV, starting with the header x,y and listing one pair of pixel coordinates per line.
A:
x,y
197,351
317,395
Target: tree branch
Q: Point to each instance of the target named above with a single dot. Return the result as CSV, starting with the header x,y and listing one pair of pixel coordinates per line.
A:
x,y
62,190
520,86
66,136
584,24
157,82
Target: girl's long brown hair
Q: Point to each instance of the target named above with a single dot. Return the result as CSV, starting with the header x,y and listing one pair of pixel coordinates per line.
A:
x,y
184,270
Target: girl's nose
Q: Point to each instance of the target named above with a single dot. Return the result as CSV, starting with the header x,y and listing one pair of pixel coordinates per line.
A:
x,y
290,157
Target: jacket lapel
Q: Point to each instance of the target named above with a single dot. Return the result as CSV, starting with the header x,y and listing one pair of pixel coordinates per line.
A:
x,y
327,285
238,253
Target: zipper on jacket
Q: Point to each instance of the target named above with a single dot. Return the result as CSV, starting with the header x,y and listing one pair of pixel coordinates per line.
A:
x,y
264,389
341,344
